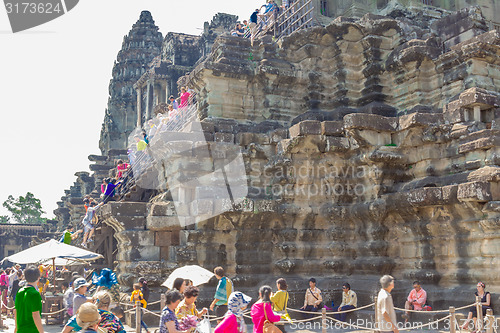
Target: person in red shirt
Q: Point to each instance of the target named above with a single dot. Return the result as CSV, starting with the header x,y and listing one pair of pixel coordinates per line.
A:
x,y
121,167
184,97
416,299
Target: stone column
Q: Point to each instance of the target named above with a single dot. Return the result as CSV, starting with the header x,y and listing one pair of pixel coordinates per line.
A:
x,y
164,93
477,113
139,106
148,100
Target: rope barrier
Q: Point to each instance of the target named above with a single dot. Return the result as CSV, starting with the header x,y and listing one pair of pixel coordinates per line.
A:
x,y
52,313
434,311
5,306
155,313
332,313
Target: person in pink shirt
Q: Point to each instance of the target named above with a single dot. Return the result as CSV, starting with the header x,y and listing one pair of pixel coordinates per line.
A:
x,y
233,321
263,304
121,167
416,299
184,97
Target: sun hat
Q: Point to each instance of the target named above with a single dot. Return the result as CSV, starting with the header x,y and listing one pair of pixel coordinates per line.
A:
x,y
87,315
80,282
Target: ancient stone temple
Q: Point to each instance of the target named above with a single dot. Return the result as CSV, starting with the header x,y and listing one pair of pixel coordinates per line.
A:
x,y
366,146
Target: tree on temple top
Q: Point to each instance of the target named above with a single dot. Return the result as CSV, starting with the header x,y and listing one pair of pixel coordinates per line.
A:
x,y
4,219
26,210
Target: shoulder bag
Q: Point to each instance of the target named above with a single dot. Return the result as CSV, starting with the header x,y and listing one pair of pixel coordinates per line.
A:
x,y
268,326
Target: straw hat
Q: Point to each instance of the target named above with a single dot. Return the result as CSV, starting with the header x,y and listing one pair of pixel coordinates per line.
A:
x,y
88,315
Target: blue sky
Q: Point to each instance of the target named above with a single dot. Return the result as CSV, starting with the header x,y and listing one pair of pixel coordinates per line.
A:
x,y
54,86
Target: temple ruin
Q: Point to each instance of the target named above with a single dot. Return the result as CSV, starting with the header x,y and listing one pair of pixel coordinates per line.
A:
x,y
370,146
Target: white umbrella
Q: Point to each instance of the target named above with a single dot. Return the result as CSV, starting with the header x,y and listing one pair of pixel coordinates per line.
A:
x,y
195,273
51,250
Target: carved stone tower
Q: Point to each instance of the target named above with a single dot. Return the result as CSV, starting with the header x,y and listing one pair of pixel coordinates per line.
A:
x,y
139,48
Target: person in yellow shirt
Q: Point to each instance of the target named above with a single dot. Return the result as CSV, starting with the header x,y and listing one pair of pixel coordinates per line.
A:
x,y
138,296
280,301
349,302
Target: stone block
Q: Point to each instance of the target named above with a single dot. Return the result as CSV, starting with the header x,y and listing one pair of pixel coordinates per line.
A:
x,y
427,196
450,194
370,122
167,238
332,128
485,174
201,149
160,223
474,191
165,253
483,143
419,120
224,137
336,144
245,138
306,127
125,208
201,207
162,209
278,134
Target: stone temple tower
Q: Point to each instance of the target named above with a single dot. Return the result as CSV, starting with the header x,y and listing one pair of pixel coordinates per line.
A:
x,y
139,48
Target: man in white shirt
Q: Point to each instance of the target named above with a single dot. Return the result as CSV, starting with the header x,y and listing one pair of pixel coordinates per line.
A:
x,y
386,321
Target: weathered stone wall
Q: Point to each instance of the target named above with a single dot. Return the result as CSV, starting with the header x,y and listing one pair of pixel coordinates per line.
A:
x,y
369,146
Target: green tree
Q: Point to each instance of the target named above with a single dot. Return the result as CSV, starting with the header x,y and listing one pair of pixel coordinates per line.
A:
x,y
27,209
4,219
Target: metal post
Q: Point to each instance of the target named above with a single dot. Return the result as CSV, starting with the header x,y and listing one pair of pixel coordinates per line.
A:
x,y
452,320
490,321
138,309
323,320
376,314
163,300
479,308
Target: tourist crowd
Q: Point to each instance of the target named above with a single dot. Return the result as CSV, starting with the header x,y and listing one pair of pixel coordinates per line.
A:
x,y
86,312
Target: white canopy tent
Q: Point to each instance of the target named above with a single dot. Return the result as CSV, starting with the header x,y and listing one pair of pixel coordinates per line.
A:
x,y
52,251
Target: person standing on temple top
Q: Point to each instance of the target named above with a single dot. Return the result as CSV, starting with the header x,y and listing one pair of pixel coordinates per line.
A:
x,y
254,20
69,235
262,310
29,304
233,321
416,300
173,102
280,301
385,306
224,289
185,96
121,167
312,299
141,143
87,222
349,302
238,31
